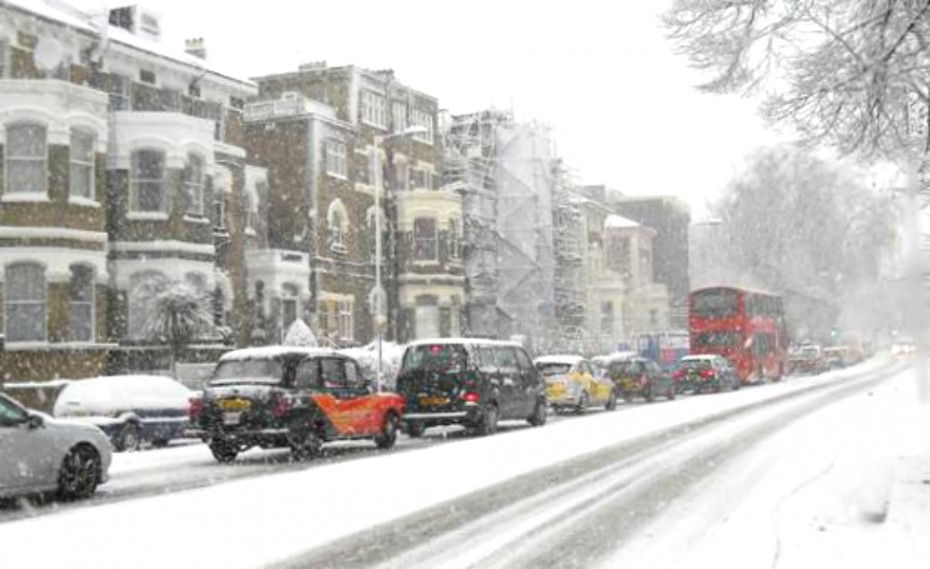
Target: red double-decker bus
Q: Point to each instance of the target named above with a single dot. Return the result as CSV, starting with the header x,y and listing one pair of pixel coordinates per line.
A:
x,y
745,326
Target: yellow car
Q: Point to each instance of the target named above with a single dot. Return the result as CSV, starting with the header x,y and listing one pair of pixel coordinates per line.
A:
x,y
572,385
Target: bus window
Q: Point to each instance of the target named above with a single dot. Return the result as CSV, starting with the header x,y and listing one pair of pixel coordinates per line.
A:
x,y
714,302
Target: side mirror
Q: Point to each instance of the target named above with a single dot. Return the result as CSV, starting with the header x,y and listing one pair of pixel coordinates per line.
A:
x,y
34,421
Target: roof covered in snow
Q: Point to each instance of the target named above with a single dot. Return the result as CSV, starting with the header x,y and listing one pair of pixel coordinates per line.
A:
x,y
56,12
270,352
60,12
619,222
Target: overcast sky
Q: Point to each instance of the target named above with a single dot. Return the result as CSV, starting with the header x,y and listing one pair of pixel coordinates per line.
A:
x,y
600,73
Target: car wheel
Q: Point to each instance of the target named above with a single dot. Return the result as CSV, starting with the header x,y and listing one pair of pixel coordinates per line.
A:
x,y
488,424
540,414
671,392
223,451
582,403
611,401
128,439
80,473
305,444
388,435
648,394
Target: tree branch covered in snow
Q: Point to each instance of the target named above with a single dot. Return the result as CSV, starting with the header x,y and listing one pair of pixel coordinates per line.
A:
x,y
849,73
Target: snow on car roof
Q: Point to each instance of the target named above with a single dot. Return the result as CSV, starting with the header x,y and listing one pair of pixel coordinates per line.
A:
x,y
467,341
619,356
105,395
559,359
271,352
695,357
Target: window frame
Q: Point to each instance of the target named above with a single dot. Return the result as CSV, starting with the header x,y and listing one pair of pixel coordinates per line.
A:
x,y
135,180
83,164
90,304
338,232
345,320
337,159
374,109
10,304
455,240
189,184
429,241
419,117
10,160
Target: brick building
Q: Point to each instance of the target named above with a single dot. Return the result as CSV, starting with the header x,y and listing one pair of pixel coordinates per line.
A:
x,y
123,163
316,131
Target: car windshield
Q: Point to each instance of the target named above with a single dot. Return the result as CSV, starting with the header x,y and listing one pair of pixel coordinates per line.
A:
x,y
626,368
695,364
552,369
448,358
267,371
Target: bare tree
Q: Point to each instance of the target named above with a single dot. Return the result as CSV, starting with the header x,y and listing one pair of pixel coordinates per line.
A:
x,y
806,228
854,74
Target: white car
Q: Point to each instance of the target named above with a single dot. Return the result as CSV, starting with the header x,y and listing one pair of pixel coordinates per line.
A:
x,y
41,454
130,409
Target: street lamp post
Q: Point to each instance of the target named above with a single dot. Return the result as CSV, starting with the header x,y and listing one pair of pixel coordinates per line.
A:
x,y
380,319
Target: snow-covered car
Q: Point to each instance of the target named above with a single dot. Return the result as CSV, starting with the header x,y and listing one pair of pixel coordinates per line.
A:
x,y
572,385
130,409
291,397
808,358
705,373
41,454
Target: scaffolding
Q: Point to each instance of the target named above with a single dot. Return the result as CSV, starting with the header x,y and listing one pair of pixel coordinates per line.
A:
x,y
504,171
569,236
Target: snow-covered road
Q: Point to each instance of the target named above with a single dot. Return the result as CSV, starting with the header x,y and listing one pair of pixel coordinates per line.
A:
x,y
259,518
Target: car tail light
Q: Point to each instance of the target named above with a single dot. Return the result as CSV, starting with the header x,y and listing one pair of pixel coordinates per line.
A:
x,y
470,397
677,374
707,373
281,407
194,407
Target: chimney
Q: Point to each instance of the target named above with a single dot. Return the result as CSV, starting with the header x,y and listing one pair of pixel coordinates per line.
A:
x,y
195,47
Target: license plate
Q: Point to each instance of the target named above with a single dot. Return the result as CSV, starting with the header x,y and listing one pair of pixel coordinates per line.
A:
x,y
232,417
234,404
433,400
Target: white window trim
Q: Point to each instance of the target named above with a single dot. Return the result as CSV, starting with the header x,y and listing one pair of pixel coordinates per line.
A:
x,y
83,202
333,158
24,197
338,245
147,216
368,100
91,166
345,315
187,184
6,312
435,239
423,118
30,196
140,214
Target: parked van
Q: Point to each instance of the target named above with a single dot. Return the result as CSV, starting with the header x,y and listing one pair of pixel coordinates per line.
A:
x,y
469,382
